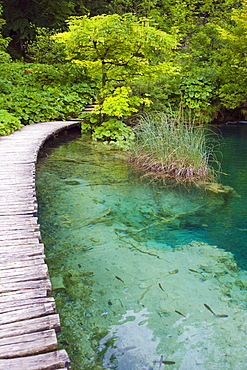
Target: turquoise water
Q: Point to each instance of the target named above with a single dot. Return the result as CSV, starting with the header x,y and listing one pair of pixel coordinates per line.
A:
x,y
228,228
131,262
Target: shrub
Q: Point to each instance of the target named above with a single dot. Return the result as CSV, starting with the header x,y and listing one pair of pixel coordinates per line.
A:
x,y
33,93
8,123
44,49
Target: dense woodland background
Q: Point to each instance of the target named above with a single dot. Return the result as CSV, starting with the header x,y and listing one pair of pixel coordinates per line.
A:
x,y
174,54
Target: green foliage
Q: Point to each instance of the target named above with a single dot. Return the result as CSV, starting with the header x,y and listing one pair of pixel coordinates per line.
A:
x,y
143,8
114,132
135,67
97,44
44,49
34,92
120,103
117,59
196,93
22,18
4,57
162,92
8,123
233,71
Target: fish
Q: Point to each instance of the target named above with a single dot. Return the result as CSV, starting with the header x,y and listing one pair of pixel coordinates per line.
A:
x,y
210,309
180,313
161,287
173,271
119,279
194,271
166,362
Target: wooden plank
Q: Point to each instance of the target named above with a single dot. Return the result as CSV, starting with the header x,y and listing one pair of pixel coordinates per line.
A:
x,y
30,326
19,304
18,228
6,206
22,241
32,276
40,292
17,212
25,234
28,344
24,273
20,255
45,361
22,285
26,313
28,169
18,202
18,187
7,191
32,220
30,202
6,264
21,249
18,271
18,221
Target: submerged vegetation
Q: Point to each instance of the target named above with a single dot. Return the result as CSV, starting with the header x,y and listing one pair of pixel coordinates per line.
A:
x,y
167,148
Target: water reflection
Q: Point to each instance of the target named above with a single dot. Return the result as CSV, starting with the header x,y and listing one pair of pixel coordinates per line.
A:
x,y
130,345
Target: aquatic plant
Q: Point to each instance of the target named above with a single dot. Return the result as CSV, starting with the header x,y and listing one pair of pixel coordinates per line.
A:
x,y
170,148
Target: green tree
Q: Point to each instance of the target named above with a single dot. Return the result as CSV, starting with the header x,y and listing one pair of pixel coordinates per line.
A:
x,y
44,49
23,16
142,8
3,41
234,66
117,50
201,54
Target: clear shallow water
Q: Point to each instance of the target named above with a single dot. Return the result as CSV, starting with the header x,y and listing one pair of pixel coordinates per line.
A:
x,y
120,287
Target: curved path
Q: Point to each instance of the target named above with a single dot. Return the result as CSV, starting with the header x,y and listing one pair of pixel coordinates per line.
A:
x,y
28,318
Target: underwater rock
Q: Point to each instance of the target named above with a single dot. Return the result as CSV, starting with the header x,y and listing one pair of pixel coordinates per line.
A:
x,y
241,285
72,182
57,282
216,188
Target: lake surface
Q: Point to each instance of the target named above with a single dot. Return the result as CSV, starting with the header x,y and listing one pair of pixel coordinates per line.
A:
x,y
135,265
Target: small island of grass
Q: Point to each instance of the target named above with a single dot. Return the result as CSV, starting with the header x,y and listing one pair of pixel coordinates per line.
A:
x,y
166,148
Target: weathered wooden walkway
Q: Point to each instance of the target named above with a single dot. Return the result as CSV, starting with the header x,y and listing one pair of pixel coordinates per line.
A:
x,y
28,318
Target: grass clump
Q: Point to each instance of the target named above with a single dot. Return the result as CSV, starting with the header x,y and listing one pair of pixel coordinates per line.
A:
x,y
167,148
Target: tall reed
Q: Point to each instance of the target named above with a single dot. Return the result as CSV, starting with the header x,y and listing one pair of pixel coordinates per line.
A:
x,y
165,147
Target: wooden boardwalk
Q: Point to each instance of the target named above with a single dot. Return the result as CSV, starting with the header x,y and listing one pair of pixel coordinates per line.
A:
x,y
28,318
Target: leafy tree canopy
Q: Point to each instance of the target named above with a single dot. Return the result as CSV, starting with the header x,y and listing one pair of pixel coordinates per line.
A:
x,y
233,70
118,50
23,16
3,42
